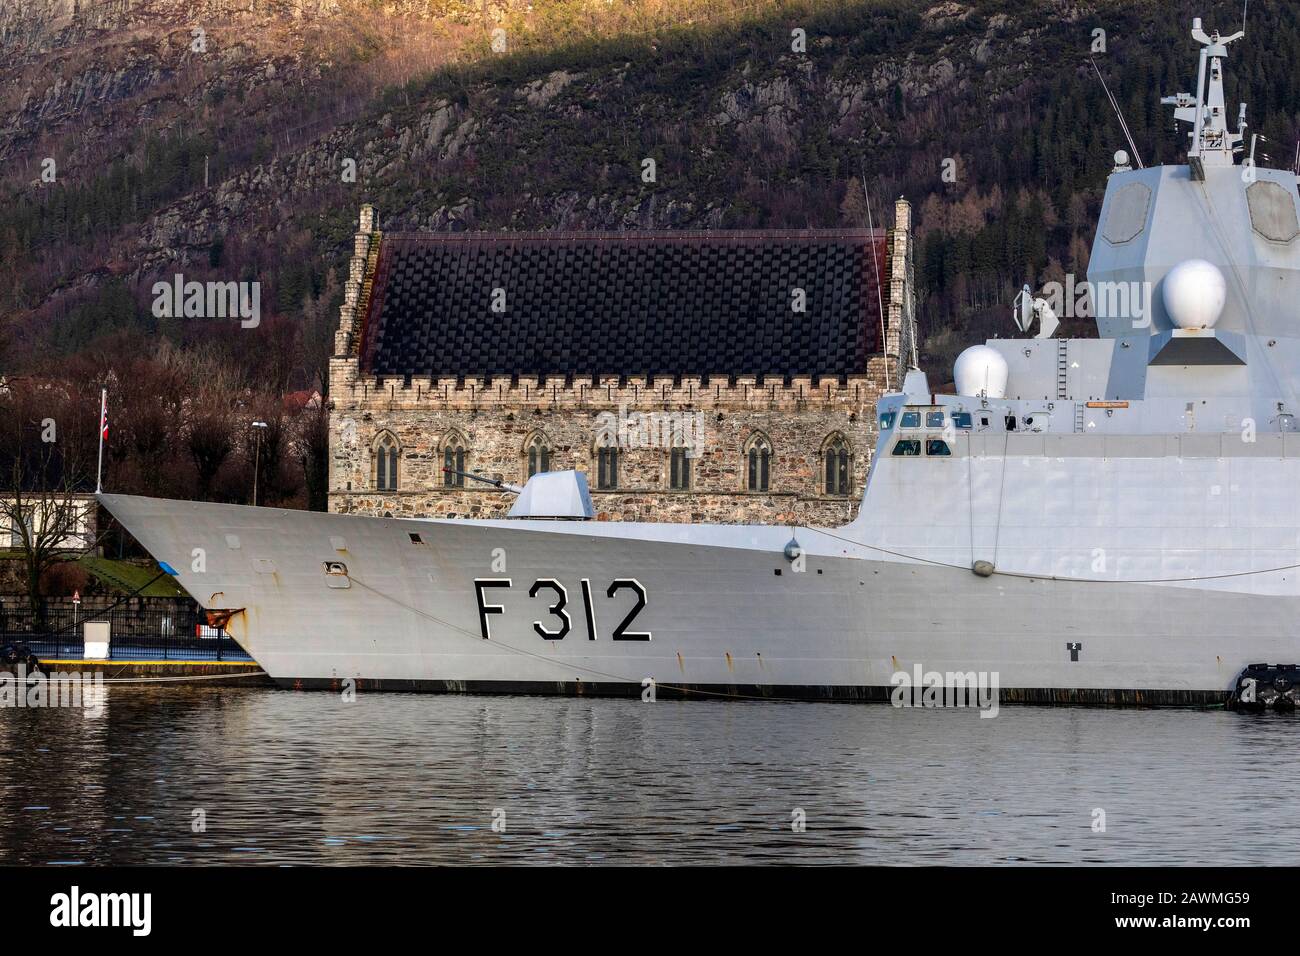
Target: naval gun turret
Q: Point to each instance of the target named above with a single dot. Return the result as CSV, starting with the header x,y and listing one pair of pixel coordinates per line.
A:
x,y
557,495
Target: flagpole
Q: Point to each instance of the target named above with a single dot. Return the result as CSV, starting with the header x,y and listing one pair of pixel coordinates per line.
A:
x,y
103,413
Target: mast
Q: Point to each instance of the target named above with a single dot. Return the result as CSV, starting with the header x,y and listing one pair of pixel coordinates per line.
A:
x,y
1211,142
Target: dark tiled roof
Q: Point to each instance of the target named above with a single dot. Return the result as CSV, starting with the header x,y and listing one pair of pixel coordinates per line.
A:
x,y
624,304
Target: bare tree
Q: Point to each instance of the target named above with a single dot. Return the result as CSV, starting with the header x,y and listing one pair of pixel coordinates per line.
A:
x,y
313,446
210,439
46,511
317,340
210,423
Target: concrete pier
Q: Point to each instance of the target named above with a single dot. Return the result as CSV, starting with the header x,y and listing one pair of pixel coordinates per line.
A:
x,y
224,673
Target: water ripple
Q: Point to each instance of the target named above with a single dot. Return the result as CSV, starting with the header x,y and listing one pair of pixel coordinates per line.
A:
x,y
225,775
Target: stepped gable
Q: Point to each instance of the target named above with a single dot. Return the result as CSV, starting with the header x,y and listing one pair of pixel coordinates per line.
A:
x,y
634,303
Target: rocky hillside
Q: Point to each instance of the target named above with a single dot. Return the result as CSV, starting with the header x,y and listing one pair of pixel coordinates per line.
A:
x,y
218,137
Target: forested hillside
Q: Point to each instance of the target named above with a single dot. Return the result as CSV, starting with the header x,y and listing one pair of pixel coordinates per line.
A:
x,y
216,139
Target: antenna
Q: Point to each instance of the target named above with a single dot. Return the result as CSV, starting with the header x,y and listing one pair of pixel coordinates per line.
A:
x,y
1244,7
880,302
1118,113
1025,308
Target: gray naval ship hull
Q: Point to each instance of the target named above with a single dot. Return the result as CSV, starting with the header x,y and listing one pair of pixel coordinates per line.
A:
x,y
1094,520
1154,576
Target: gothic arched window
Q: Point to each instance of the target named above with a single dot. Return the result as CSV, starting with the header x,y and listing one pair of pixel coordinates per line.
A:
x,y
385,456
454,453
837,465
679,465
758,462
607,464
537,455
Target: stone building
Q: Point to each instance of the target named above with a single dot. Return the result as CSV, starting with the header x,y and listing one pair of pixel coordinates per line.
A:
x,y
719,376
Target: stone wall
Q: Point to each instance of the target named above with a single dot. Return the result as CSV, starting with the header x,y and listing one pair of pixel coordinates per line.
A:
x,y
496,419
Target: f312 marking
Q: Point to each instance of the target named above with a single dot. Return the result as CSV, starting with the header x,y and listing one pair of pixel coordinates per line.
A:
x,y
560,595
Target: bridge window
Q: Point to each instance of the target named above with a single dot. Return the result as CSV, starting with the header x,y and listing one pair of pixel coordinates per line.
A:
x,y
937,446
908,447
934,419
887,421
961,419
911,419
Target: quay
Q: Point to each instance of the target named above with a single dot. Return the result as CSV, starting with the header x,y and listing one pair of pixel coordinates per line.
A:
x,y
190,672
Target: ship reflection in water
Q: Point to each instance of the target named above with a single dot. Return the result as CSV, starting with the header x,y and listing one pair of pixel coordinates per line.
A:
x,y
250,776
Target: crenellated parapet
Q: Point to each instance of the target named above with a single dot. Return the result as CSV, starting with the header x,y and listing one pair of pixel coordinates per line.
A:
x,y
354,390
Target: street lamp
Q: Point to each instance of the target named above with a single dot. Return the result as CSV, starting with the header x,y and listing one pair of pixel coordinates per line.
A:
x,y
257,455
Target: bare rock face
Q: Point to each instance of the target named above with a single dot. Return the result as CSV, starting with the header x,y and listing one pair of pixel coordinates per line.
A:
x,y
262,109
63,60
945,14
542,92
72,64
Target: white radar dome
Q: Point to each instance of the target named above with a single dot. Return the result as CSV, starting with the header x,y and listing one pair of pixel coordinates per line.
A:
x,y
1194,293
981,371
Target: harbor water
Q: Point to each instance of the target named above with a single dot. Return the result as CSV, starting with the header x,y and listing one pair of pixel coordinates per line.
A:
x,y
224,775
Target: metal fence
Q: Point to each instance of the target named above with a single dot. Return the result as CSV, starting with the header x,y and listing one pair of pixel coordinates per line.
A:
x,y
159,630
